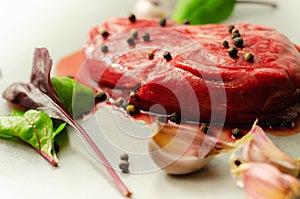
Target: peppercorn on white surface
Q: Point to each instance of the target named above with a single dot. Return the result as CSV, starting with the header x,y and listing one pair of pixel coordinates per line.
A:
x,y
62,26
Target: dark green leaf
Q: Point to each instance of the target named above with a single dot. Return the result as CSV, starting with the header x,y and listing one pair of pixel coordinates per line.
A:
x,y
202,11
77,98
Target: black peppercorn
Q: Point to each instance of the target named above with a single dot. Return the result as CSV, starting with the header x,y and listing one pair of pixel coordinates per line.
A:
x,y
233,31
132,18
104,48
225,44
175,117
134,34
167,56
100,97
104,33
163,22
237,133
233,52
237,162
130,41
150,55
238,42
230,28
249,57
146,36
131,109
124,166
204,128
124,157
235,35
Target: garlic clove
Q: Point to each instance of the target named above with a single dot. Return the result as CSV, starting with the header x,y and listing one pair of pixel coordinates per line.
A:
x,y
175,165
264,181
183,149
262,149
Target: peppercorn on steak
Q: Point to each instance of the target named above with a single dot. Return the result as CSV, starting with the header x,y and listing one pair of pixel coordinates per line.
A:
x,y
237,72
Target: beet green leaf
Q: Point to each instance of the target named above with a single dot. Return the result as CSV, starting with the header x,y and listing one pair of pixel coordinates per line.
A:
x,y
34,128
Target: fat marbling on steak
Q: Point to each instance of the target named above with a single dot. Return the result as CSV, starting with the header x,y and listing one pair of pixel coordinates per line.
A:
x,y
201,81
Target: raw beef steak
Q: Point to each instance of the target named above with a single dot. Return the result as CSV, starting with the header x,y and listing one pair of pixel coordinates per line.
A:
x,y
189,70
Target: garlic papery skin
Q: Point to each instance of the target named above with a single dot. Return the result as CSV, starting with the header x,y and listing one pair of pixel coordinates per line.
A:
x,y
148,9
262,149
183,149
264,181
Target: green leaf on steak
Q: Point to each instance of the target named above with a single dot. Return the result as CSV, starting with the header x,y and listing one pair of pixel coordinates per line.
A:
x,y
202,11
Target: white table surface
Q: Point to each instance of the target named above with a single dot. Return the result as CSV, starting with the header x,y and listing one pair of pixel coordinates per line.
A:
x,y
62,27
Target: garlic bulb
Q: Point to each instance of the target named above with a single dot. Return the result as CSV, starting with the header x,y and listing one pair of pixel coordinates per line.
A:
x,y
154,8
148,9
183,149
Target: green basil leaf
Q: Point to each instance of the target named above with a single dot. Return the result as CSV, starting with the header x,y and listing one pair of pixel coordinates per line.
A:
x,y
202,11
76,98
34,128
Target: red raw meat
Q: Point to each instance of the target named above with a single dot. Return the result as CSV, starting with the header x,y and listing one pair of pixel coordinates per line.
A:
x,y
201,81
